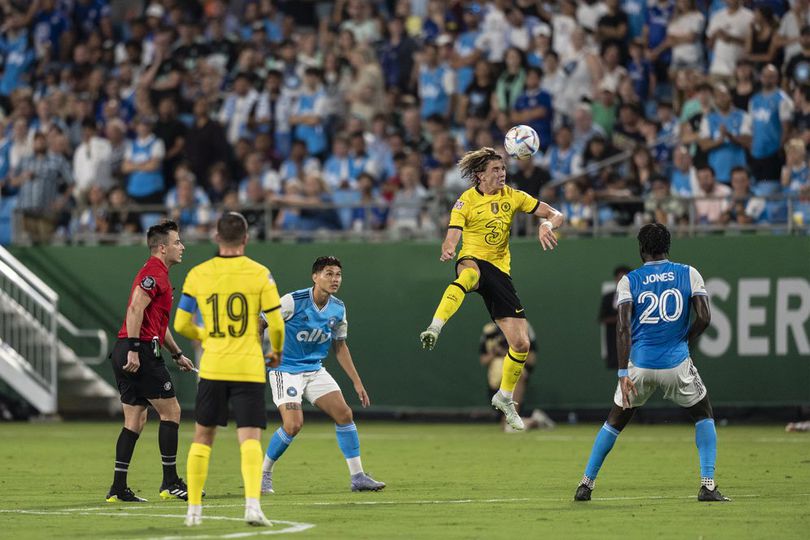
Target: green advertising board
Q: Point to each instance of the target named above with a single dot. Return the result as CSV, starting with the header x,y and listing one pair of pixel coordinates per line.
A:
x,y
755,353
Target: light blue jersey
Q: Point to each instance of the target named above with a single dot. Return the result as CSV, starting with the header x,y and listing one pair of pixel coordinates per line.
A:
x,y
661,293
309,330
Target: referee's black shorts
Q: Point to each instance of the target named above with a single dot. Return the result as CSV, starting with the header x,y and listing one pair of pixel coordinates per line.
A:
x,y
496,288
246,399
151,381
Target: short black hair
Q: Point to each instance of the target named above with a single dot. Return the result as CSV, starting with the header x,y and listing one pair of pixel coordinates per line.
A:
x,y
621,270
232,228
654,239
159,234
324,261
707,167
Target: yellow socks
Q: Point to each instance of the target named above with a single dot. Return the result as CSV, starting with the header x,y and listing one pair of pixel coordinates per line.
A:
x,y
197,471
252,456
454,295
513,364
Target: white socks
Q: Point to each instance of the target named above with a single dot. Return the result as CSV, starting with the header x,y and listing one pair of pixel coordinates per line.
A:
x,y
268,464
505,394
708,482
355,466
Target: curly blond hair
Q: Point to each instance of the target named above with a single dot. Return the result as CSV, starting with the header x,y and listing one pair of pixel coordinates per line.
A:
x,y
475,162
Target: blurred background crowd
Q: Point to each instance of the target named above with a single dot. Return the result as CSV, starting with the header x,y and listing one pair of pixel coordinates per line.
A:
x,y
350,115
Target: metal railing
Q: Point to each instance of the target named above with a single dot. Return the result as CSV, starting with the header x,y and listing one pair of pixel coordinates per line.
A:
x,y
29,311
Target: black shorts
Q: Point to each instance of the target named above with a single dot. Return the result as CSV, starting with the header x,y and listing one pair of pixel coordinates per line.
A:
x,y
246,400
766,168
497,290
151,381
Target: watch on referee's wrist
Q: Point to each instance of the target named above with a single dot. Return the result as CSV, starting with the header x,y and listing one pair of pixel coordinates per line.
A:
x,y
622,373
176,356
134,344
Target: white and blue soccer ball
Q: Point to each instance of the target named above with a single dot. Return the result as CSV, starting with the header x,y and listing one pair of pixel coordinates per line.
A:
x,y
521,142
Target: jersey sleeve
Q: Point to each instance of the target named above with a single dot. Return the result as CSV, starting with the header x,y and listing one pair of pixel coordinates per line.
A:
x,y
148,282
696,281
525,202
458,215
623,293
269,300
287,306
342,328
184,317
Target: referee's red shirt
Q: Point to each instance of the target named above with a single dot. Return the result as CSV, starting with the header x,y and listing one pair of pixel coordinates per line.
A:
x,y
153,279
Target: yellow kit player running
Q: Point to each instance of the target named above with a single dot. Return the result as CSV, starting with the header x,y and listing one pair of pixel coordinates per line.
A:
x,y
483,215
230,291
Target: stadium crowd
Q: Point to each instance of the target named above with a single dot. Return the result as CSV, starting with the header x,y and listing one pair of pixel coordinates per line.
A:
x,y
351,115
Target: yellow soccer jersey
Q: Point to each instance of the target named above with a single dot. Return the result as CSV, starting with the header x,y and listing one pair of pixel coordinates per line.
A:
x,y
229,293
485,222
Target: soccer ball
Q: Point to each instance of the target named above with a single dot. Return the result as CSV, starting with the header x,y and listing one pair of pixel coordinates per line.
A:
x,y
521,142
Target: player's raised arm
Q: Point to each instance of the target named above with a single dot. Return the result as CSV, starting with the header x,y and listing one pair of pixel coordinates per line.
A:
x,y
553,219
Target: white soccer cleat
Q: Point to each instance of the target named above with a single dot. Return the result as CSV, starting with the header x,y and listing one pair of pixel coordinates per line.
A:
x,y
255,517
507,407
429,338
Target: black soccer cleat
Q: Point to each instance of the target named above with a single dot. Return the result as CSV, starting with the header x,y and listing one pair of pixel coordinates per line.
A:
x,y
125,495
711,495
176,490
583,493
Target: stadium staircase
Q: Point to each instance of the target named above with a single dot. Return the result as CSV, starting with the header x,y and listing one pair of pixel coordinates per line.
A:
x,y
34,361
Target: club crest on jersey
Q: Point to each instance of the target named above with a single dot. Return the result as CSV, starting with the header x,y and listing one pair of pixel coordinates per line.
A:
x,y
292,392
167,386
313,336
494,208
331,323
459,205
506,207
148,283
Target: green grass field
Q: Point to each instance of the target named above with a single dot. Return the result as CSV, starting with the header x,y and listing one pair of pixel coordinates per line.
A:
x,y
444,481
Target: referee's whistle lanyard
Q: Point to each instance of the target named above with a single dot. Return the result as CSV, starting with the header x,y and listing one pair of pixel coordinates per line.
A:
x,y
156,346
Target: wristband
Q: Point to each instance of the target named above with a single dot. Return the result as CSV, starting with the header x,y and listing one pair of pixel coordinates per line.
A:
x,y
622,372
550,225
134,344
176,356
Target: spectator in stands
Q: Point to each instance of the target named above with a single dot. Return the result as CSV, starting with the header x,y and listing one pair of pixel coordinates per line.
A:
x,y
366,91
119,218
562,160
800,123
477,97
584,129
116,133
711,198
575,206
188,205
512,81
642,169
436,84
397,55
143,163
771,111
172,132
789,34
661,207
725,134
205,141
533,107
583,70
760,46
45,183
796,173
406,208
797,70
683,179
317,213
726,36
744,208
684,37
309,114
237,107
370,214
91,162
18,54
745,84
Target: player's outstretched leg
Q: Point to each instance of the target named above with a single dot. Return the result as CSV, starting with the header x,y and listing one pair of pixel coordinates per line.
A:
x,y
706,442
513,364
451,300
279,443
602,445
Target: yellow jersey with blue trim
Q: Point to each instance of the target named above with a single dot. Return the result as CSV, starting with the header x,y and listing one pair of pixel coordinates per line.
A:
x,y
229,293
486,220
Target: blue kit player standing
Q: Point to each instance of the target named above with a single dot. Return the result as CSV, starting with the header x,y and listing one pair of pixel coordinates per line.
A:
x,y
314,320
653,336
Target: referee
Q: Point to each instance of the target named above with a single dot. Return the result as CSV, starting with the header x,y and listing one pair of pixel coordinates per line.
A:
x,y
230,291
140,372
